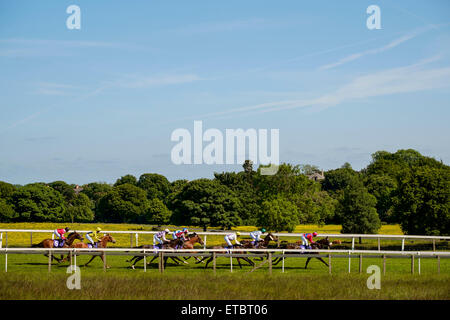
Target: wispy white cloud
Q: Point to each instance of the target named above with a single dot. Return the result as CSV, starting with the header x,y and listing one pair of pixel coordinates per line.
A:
x,y
394,43
411,78
157,80
54,89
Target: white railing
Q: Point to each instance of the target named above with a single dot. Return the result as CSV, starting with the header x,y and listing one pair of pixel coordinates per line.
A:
x,y
205,234
231,253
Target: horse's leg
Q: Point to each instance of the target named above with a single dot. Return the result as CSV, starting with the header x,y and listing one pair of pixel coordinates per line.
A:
x,y
93,257
250,262
307,261
207,262
276,261
131,260
322,261
149,263
137,258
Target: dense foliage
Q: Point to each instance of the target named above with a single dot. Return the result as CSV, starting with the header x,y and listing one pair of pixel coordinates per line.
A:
x,y
404,187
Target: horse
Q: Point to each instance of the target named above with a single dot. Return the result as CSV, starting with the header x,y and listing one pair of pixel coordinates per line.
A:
x,y
320,244
189,244
101,244
262,244
170,244
49,243
250,262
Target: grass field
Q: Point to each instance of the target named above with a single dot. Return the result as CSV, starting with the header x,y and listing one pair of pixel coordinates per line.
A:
x,y
28,276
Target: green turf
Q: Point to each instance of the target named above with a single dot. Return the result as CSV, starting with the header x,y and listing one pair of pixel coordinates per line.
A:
x,y
28,278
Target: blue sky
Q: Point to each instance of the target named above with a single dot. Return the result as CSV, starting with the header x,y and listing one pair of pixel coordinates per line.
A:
x,y
97,103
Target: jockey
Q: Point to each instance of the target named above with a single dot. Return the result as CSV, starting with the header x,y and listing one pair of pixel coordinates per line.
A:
x,y
60,233
94,236
307,238
159,238
180,234
256,235
230,237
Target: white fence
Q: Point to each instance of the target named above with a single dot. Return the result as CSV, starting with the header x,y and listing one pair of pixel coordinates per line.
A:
x,y
232,253
134,236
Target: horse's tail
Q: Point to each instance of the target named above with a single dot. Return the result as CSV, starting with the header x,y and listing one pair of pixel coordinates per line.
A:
x,y
38,245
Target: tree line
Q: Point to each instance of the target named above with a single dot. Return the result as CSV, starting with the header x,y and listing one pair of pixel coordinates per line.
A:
x,y
404,187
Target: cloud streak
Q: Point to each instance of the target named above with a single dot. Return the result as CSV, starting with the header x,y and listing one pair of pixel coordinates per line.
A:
x,y
390,45
411,78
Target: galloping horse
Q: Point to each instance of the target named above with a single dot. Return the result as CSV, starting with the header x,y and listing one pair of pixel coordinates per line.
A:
x,y
189,244
250,262
101,244
320,244
262,244
170,244
49,243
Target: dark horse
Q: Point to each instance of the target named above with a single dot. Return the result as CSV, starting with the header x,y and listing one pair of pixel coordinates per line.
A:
x,y
49,243
170,244
320,244
235,246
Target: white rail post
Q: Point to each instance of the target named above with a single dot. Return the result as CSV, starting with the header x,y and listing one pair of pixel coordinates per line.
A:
x,y
403,244
349,259
49,261
137,236
204,242
6,260
231,261
418,262
75,257
283,262
145,262
353,244
1,240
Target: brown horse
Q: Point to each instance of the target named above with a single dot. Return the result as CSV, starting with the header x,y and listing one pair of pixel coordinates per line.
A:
x,y
320,244
189,244
102,244
48,243
262,244
235,246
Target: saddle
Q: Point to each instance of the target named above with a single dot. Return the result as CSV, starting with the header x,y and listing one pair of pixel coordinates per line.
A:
x,y
58,243
95,245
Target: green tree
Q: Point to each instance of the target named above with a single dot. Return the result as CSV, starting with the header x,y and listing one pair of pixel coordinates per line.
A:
x,y
6,190
423,201
125,203
205,203
66,190
79,209
156,185
383,188
158,213
7,213
278,214
358,213
38,202
126,179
